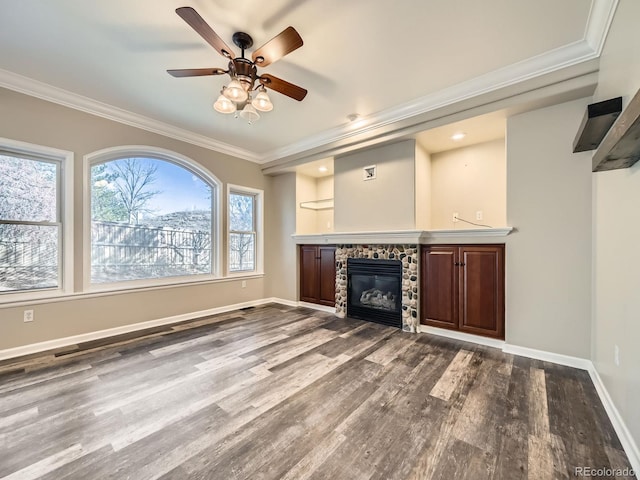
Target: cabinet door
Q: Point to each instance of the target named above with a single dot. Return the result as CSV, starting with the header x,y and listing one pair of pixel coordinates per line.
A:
x,y
309,273
327,282
482,290
440,287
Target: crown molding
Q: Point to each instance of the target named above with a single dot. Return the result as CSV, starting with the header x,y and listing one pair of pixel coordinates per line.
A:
x,y
599,22
44,91
512,75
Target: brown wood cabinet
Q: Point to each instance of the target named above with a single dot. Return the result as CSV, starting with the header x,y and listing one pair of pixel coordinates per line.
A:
x,y
462,288
318,274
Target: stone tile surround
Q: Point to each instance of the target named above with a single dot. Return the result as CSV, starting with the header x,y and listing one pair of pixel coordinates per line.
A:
x,y
407,254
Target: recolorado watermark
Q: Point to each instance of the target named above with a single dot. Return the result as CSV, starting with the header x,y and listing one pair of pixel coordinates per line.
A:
x,y
603,472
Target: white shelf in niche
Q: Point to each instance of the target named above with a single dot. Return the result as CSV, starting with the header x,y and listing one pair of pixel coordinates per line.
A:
x,y
326,204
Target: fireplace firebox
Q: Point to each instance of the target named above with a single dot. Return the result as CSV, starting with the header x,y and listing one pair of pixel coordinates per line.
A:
x,y
374,290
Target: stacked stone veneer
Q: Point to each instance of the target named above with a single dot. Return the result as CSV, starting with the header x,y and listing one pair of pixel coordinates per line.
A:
x,y
407,254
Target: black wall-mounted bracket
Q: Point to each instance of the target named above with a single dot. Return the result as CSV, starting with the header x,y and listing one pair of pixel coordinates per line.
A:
x,y
597,121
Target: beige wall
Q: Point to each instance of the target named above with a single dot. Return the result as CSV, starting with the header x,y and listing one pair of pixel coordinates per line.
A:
x,y
386,203
83,315
280,249
423,189
616,202
548,264
36,121
467,180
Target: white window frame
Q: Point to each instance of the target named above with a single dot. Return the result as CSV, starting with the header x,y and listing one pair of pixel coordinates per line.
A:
x,y
154,153
259,226
64,192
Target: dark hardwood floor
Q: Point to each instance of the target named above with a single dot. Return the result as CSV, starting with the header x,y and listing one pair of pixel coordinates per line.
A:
x,y
290,393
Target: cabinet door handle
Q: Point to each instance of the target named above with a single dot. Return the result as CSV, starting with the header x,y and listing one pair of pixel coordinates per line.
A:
x,y
457,264
462,264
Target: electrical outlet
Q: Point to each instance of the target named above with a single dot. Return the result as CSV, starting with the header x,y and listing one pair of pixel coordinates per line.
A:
x,y
616,355
244,284
28,316
455,217
479,215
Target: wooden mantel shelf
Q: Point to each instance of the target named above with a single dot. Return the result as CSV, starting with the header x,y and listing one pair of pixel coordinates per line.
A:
x,y
621,147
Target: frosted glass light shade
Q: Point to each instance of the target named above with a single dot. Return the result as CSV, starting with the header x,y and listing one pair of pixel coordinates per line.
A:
x,y
249,113
224,105
235,92
262,102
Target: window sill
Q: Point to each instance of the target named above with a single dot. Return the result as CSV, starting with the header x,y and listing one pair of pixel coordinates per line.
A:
x,y
114,289
246,274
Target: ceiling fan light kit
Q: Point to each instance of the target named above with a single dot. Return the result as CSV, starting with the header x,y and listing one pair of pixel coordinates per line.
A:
x,y
243,71
249,114
235,92
262,102
224,105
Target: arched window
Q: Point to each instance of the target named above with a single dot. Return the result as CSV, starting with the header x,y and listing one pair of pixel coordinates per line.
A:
x,y
153,217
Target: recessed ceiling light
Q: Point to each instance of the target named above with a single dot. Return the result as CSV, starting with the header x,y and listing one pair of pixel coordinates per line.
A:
x,y
458,136
323,169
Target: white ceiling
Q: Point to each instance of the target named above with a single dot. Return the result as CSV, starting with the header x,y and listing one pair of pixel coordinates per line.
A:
x,y
483,128
366,57
317,168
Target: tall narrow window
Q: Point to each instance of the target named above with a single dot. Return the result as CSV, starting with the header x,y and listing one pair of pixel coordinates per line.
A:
x,y
242,231
150,219
30,223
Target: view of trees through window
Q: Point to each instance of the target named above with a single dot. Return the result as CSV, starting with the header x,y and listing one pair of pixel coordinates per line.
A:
x,y
149,219
29,224
242,232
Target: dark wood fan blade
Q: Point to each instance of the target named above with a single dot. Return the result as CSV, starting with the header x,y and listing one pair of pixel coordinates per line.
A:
x,y
196,22
196,72
283,87
282,44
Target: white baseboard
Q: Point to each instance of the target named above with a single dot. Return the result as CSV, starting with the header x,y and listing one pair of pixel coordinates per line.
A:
x,y
465,337
315,306
293,303
557,358
282,301
111,332
626,439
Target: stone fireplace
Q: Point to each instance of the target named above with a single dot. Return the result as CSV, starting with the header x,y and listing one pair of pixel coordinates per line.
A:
x,y
406,255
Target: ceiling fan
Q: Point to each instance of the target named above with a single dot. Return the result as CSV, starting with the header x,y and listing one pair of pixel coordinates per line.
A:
x,y
243,71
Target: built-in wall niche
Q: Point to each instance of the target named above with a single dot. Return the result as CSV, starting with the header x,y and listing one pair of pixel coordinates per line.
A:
x,y
314,204
469,187
467,173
